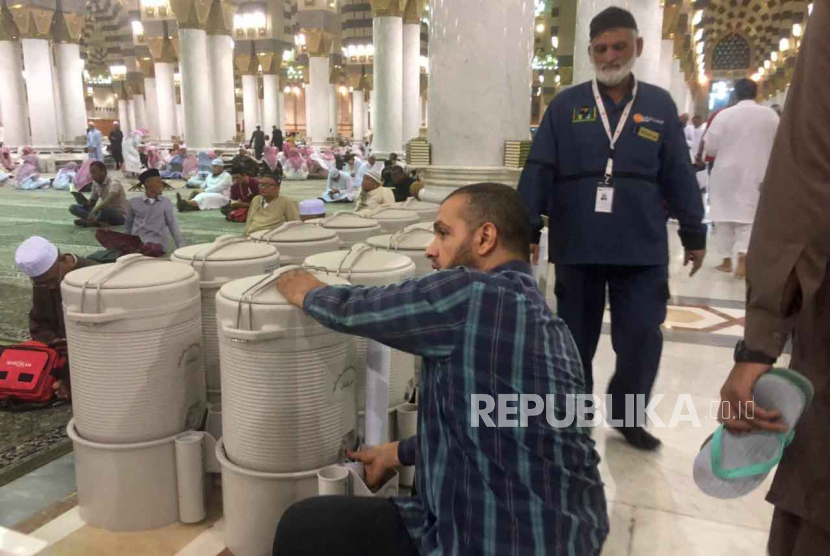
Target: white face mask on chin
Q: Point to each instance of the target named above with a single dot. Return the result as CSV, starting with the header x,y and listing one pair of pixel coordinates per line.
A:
x,y
613,77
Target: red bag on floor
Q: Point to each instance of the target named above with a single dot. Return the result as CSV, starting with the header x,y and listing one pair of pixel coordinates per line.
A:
x,y
238,215
26,371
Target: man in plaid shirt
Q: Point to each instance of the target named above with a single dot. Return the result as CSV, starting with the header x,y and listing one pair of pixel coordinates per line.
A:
x,y
482,327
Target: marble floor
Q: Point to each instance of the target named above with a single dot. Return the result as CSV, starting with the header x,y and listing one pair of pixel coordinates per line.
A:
x,y
654,505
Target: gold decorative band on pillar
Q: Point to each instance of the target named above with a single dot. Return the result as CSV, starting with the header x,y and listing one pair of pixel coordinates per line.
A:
x,y
191,14
355,81
162,50
246,64
388,8
336,76
67,27
318,42
367,82
8,28
220,18
32,23
414,11
269,62
148,68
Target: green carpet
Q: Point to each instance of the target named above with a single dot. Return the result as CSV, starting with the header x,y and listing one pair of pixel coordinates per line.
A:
x,y
34,438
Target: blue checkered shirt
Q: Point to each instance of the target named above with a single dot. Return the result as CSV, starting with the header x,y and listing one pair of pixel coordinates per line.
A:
x,y
502,491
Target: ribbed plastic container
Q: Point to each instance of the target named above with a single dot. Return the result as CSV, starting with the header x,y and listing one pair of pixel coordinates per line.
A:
x,y
412,243
126,487
350,227
226,259
253,503
288,397
365,266
297,240
135,348
427,212
393,220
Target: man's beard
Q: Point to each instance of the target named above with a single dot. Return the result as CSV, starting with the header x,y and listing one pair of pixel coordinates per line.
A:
x,y
463,257
613,77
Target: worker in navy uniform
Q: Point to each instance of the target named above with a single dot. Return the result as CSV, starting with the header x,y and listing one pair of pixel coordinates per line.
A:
x,y
609,166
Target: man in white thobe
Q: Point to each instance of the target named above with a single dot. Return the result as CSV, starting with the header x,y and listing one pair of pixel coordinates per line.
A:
x,y
94,142
741,137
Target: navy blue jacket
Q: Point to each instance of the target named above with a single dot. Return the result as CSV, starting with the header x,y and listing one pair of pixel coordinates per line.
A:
x,y
653,179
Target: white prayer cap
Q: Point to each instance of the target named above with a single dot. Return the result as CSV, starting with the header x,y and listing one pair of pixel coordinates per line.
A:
x,y
35,256
334,173
374,174
218,162
311,207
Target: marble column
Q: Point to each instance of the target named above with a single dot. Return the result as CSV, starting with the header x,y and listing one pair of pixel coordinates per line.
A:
x,y
196,88
250,104
166,101
140,110
270,102
463,60
220,72
37,57
71,90
181,119
368,114
412,69
678,86
387,109
151,106
281,110
334,110
124,115
131,113
649,17
318,102
13,108
666,64
358,117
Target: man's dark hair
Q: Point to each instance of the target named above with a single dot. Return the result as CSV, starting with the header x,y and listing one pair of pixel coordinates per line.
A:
x,y
270,176
98,164
745,89
501,206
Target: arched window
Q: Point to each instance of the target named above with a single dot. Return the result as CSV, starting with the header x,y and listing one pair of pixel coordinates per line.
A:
x,y
731,53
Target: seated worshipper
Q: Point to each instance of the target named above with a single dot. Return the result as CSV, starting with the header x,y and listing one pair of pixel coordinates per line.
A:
x,y
352,163
393,158
6,158
215,194
365,167
108,204
268,210
153,157
244,159
270,164
190,166
311,209
400,183
45,266
65,179
478,323
295,168
83,177
243,191
318,168
150,222
339,188
372,194
26,176
198,180
175,166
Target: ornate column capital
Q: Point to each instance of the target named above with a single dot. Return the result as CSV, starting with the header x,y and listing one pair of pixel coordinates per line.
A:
x,y
162,49
388,8
191,14
269,62
318,42
67,27
33,23
148,68
8,28
246,64
220,18
414,11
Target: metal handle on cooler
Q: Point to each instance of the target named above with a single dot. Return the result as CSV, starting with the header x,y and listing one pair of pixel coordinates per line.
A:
x,y
339,214
363,249
271,234
398,236
219,243
254,290
120,264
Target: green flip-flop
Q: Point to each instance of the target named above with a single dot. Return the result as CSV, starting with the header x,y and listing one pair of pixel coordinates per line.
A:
x,y
733,465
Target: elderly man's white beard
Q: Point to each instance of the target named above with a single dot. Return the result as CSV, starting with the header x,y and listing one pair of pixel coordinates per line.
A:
x,y
613,77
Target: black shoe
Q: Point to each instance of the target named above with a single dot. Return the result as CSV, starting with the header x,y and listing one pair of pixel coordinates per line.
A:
x,y
180,204
640,438
82,223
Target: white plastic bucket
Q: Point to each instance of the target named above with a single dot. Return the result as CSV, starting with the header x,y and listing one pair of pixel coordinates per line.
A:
x,y
393,220
411,242
297,240
126,487
427,212
351,227
253,503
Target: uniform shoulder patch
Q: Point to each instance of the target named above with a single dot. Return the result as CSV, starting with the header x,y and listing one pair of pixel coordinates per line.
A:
x,y
585,114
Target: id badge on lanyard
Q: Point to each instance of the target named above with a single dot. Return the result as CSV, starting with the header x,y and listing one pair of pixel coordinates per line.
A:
x,y
605,189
